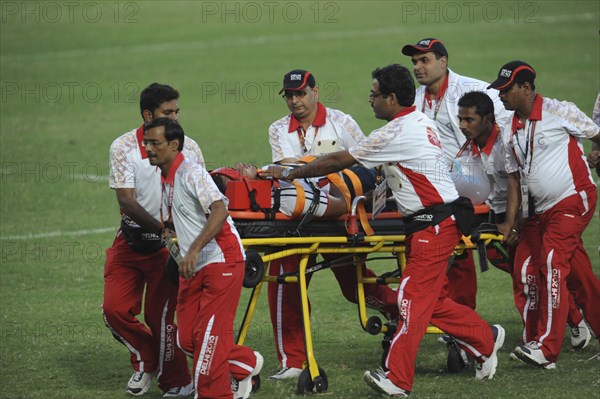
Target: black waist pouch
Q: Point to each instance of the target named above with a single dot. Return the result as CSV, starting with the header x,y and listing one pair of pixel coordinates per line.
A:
x,y
140,240
462,209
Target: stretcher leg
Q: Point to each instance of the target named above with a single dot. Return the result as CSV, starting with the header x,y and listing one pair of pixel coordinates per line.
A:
x,y
243,332
319,382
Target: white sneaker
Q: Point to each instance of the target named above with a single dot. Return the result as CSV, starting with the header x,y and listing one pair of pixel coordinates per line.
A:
x,y
285,373
531,353
445,339
487,369
379,382
242,389
513,356
187,390
580,336
139,383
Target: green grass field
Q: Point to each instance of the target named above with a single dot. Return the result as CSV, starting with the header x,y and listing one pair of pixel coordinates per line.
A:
x,y
70,75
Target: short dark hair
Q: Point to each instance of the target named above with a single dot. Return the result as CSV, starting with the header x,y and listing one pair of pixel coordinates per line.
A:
x,y
173,130
154,95
479,100
220,182
397,79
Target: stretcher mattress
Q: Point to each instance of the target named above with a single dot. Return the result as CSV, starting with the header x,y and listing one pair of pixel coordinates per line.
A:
x,y
260,225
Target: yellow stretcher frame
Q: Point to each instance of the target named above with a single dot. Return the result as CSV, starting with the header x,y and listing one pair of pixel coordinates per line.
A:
x,y
307,246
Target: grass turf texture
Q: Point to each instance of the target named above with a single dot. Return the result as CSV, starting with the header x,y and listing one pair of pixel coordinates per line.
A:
x,y
71,73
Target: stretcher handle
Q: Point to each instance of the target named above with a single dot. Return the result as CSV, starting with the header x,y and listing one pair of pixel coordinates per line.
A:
x,y
353,218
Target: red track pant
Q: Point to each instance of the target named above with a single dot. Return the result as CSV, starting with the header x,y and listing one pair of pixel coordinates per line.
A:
x,y
152,345
286,310
462,281
422,300
559,266
206,310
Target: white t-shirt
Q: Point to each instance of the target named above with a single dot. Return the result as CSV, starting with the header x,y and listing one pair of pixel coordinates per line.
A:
x,y
332,130
415,166
130,168
447,113
548,152
288,197
191,191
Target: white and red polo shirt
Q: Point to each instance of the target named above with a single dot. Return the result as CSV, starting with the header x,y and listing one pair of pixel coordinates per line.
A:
x,y
415,166
444,108
188,192
332,130
547,150
491,158
130,168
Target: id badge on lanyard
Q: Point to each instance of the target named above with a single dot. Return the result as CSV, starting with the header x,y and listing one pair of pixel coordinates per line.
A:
x,y
528,151
524,195
379,196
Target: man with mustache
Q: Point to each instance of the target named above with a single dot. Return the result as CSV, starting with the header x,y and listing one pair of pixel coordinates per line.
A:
x,y
211,268
136,261
410,153
552,192
311,129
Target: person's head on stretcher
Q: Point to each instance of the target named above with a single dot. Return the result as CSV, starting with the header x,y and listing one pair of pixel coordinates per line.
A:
x,y
295,197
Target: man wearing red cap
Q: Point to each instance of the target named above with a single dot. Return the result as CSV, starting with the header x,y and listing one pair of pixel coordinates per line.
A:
x,y
550,188
311,129
437,97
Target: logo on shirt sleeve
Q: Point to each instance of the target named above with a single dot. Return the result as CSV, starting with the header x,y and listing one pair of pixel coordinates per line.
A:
x,y
433,138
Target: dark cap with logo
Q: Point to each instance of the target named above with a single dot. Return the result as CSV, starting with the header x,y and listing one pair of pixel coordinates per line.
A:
x,y
513,72
425,46
297,80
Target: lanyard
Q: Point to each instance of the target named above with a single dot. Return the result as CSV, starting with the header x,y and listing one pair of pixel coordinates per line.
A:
x,y
302,137
468,144
438,104
438,98
528,147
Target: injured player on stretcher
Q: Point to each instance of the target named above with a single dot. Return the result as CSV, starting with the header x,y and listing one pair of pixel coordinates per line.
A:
x,y
328,196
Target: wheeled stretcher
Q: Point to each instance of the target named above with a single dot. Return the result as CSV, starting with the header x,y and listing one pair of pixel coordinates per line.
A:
x,y
270,237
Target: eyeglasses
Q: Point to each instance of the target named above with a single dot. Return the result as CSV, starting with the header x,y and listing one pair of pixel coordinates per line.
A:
x,y
152,143
288,95
374,95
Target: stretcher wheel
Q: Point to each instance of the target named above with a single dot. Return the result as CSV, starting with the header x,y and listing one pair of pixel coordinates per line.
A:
x,y
255,269
306,384
374,325
455,362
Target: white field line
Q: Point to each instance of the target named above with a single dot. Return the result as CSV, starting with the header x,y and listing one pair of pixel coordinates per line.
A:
x,y
260,40
59,233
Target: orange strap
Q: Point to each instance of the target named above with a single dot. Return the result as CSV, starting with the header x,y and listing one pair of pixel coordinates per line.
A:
x,y
339,182
358,190
300,199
